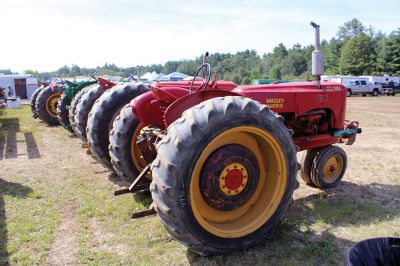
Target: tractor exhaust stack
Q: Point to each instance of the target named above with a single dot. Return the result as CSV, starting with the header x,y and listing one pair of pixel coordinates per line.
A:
x,y
317,57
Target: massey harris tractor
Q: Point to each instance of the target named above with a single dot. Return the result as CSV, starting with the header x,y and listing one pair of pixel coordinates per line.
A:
x,y
223,160
104,111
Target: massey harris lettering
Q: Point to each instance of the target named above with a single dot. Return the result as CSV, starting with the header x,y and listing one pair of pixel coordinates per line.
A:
x,y
275,103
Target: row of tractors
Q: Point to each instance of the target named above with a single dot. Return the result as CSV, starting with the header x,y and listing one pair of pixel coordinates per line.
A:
x,y
219,159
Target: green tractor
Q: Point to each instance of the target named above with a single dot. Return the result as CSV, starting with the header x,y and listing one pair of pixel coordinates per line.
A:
x,y
69,99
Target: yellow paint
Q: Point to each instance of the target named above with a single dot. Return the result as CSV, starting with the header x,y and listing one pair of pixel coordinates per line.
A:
x,y
266,198
275,103
52,103
222,179
332,168
136,155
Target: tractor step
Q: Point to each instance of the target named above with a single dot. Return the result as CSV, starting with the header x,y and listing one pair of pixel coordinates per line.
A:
x,y
135,188
141,214
85,145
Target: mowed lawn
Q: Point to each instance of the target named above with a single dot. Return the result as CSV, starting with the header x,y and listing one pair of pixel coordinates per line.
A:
x,y
57,204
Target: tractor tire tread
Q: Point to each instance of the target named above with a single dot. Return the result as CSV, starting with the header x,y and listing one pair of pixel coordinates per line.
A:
x,y
83,108
62,112
101,117
172,153
40,106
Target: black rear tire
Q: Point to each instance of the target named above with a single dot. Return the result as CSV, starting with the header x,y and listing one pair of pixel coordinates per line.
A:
x,y
178,156
34,96
83,108
72,107
121,136
62,112
44,104
102,115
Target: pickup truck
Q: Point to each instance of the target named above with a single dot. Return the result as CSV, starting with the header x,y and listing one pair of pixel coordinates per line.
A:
x,y
391,88
362,87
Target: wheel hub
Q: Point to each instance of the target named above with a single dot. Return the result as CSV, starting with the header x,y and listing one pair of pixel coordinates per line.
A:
x,y
52,103
233,179
229,177
332,168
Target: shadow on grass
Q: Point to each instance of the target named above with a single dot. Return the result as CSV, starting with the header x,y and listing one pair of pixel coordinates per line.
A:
x,y
351,204
293,244
296,242
8,140
14,190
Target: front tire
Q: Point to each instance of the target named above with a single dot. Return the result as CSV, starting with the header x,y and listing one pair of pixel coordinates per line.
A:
x,y
46,104
348,94
307,160
102,115
329,167
221,157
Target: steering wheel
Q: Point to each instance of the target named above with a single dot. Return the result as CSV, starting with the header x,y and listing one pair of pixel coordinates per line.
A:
x,y
132,76
93,75
205,68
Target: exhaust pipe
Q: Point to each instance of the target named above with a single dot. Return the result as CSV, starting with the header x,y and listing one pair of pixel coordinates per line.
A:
x,y
317,57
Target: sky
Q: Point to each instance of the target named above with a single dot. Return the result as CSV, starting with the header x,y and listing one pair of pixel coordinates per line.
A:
x,y
44,35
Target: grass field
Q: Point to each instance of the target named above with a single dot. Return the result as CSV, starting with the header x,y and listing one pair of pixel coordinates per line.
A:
x,y
57,204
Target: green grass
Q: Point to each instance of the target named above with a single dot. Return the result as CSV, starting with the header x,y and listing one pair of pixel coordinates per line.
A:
x,y
320,226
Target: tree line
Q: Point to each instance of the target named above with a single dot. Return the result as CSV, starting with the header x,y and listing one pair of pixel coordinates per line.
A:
x,y
355,50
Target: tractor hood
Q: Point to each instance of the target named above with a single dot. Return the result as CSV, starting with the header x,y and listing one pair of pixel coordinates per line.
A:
x,y
296,97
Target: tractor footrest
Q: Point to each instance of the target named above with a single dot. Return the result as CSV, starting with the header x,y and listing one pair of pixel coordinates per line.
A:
x,y
141,214
136,189
85,146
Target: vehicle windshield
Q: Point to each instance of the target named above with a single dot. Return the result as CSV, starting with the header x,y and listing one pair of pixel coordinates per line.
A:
x,y
348,83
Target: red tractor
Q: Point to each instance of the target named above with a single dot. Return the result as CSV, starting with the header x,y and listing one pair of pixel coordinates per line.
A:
x,y
223,158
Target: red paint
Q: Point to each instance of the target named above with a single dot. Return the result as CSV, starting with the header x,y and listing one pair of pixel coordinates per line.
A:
x,y
234,179
313,113
105,84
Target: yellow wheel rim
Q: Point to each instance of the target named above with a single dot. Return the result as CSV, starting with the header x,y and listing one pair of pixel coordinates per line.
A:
x,y
266,198
136,155
332,168
52,103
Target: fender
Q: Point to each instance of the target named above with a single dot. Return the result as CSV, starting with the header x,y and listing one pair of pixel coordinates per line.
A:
x,y
148,109
175,110
105,84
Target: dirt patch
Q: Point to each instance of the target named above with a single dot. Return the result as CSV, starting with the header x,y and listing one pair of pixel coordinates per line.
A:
x,y
63,249
101,240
